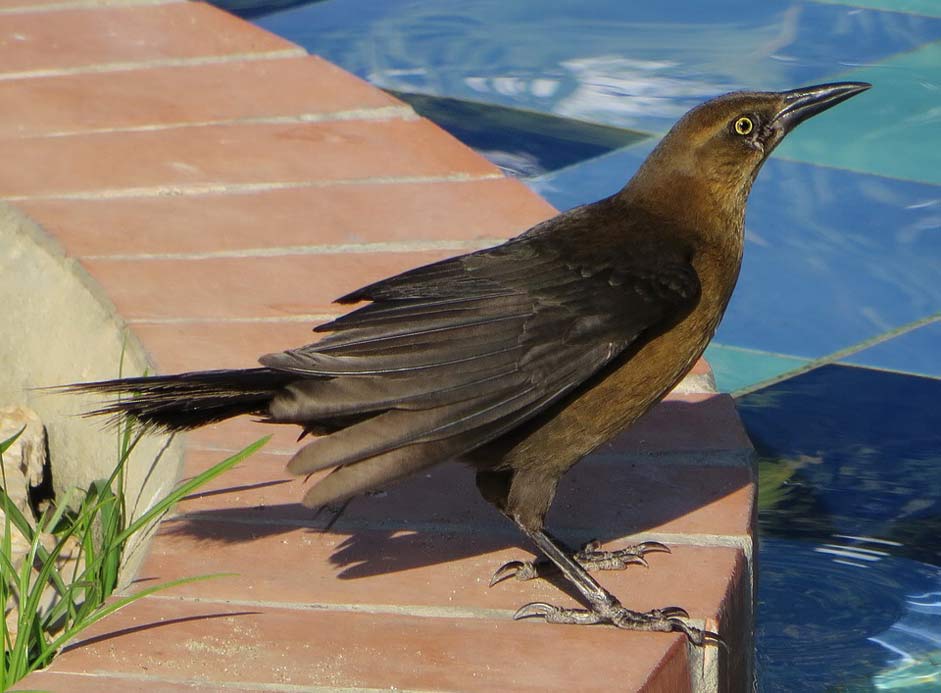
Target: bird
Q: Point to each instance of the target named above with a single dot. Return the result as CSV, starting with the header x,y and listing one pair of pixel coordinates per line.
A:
x,y
522,358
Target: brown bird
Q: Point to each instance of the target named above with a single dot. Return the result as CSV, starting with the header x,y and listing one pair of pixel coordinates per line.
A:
x,y
522,358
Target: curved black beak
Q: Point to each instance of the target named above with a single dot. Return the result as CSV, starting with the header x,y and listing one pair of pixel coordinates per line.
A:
x,y
801,104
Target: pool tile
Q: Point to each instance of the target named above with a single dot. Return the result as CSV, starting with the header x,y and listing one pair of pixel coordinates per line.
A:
x,y
917,351
891,130
74,39
833,258
523,143
868,244
593,179
736,368
862,446
640,67
929,8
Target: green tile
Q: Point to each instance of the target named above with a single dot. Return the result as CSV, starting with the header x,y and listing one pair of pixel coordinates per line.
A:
x,y
736,368
929,8
891,130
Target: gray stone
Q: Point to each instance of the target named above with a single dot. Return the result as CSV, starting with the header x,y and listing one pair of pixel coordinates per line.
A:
x,y
59,327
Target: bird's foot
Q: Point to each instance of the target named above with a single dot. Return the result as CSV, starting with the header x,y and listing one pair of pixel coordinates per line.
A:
x,y
590,557
668,619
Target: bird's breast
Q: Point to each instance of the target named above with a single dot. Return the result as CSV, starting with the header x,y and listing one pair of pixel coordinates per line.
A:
x,y
611,401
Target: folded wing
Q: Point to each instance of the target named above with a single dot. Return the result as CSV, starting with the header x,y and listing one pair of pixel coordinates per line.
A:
x,y
452,355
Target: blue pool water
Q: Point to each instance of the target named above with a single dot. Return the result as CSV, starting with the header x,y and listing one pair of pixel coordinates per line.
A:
x,y
830,343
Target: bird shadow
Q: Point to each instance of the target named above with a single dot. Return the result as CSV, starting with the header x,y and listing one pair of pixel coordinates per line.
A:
x,y
437,517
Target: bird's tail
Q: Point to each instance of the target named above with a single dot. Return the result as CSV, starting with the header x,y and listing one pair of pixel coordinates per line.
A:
x,y
187,400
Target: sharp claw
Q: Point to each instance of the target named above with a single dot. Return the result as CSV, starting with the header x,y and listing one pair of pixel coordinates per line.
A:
x,y
507,570
654,547
710,636
638,560
672,612
533,609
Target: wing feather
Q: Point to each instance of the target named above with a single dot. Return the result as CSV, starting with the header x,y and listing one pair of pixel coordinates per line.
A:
x,y
450,356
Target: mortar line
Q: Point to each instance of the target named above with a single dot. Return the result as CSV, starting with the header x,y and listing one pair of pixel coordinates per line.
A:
x,y
200,684
313,318
414,610
196,189
379,113
417,610
84,5
280,251
835,356
126,66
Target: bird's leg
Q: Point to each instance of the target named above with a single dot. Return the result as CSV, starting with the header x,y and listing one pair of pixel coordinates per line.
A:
x,y
603,606
590,556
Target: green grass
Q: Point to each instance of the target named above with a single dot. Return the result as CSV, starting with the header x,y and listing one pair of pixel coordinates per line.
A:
x,y
98,527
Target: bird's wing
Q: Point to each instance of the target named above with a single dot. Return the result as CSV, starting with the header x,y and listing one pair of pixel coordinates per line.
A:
x,y
450,356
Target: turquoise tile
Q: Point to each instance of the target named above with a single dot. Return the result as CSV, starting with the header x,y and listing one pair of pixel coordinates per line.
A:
x,y
891,130
917,352
929,8
736,368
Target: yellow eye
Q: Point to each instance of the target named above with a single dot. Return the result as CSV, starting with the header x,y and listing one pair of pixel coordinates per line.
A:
x,y
744,125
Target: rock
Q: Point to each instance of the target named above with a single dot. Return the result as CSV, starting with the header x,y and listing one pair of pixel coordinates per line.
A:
x,y
25,468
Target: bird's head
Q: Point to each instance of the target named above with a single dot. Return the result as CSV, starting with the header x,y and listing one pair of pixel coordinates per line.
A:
x,y
715,150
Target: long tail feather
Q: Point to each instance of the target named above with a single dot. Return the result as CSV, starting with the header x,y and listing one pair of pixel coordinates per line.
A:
x,y
187,400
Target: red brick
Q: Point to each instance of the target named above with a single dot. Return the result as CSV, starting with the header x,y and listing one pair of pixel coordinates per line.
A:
x,y
235,434
692,423
177,347
182,94
232,154
367,213
250,287
261,645
597,499
78,38
418,568
54,682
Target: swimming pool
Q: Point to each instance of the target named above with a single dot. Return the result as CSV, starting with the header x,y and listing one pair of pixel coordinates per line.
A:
x,y
830,343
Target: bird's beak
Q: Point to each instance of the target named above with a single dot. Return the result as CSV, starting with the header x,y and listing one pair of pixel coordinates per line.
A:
x,y
801,104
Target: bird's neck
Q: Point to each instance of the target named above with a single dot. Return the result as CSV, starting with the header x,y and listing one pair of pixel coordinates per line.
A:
x,y
708,216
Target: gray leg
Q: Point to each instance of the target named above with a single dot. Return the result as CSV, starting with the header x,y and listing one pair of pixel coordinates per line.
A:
x,y
603,606
590,556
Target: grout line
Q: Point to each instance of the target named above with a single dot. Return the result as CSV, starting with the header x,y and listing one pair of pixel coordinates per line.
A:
x,y
192,446
83,5
199,684
379,113
757,352
894,371
146,64
420,611
375,247
241,188
309,317
417,611
838,355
